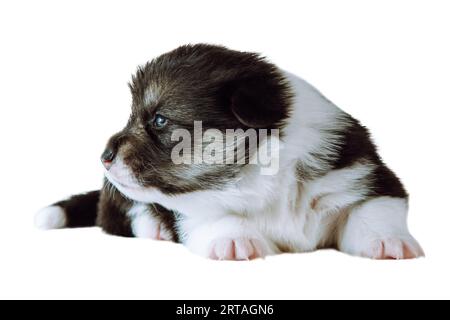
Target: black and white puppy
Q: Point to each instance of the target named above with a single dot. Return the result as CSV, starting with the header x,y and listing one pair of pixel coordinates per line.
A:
x,y
330,188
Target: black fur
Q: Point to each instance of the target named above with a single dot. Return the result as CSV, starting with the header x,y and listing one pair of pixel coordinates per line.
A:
x,y
107,209
225,89
355,144
81,210
112,212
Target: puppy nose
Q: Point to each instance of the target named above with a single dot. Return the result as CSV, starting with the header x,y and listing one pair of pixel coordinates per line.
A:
x,y
107,158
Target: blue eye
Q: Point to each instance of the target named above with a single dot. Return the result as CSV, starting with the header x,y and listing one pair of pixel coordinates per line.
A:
x,y
159,121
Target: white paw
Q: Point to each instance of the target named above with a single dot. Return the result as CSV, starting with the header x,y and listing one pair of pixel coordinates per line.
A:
x,y
377,229
52,217
146,226
236,249
394,248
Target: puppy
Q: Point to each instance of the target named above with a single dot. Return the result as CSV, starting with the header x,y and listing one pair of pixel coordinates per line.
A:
x,y
324,184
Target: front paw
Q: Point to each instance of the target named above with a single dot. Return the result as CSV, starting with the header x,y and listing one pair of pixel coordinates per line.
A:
x,y
229,238
394,248
146,226
236,249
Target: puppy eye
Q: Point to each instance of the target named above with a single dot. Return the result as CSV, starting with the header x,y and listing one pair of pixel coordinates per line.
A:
x,y
159,121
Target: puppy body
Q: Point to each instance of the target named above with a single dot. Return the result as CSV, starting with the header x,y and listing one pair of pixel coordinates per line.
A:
x,y
331,189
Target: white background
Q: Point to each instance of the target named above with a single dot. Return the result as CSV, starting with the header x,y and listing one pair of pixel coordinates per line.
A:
x,y
64,68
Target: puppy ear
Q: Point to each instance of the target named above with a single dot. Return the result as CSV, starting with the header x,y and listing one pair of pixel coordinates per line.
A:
x,y
260,103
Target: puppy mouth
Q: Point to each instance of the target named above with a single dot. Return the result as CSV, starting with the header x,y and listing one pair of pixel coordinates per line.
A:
x,y
119,182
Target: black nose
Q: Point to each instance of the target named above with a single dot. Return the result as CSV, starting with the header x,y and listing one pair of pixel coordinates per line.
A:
x,y
107,158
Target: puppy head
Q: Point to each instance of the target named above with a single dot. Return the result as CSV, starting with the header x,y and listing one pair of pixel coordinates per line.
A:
x,y
217,87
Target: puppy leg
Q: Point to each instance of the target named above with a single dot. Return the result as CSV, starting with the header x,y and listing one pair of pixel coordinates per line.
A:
x,y
377,229
147,221
118,215
227,238
76,212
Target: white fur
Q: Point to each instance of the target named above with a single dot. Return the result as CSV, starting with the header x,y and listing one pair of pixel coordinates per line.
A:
x,y
375,224
274,213
312,116
52,217
144,225
151,95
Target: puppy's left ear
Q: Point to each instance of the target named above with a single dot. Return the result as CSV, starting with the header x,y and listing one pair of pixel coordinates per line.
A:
x,y
261,102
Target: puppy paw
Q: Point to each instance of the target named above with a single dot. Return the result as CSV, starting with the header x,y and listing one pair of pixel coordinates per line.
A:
x,y
394,248
52,217
146,226
236,249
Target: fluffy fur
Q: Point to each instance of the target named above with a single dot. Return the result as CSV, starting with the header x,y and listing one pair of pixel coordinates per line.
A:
x,y
332,188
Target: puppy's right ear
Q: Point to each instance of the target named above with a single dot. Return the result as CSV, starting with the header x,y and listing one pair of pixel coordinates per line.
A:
x,y
261,102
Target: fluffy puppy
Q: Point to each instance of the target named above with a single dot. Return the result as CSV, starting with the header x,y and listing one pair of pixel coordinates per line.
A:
x,y
328,187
